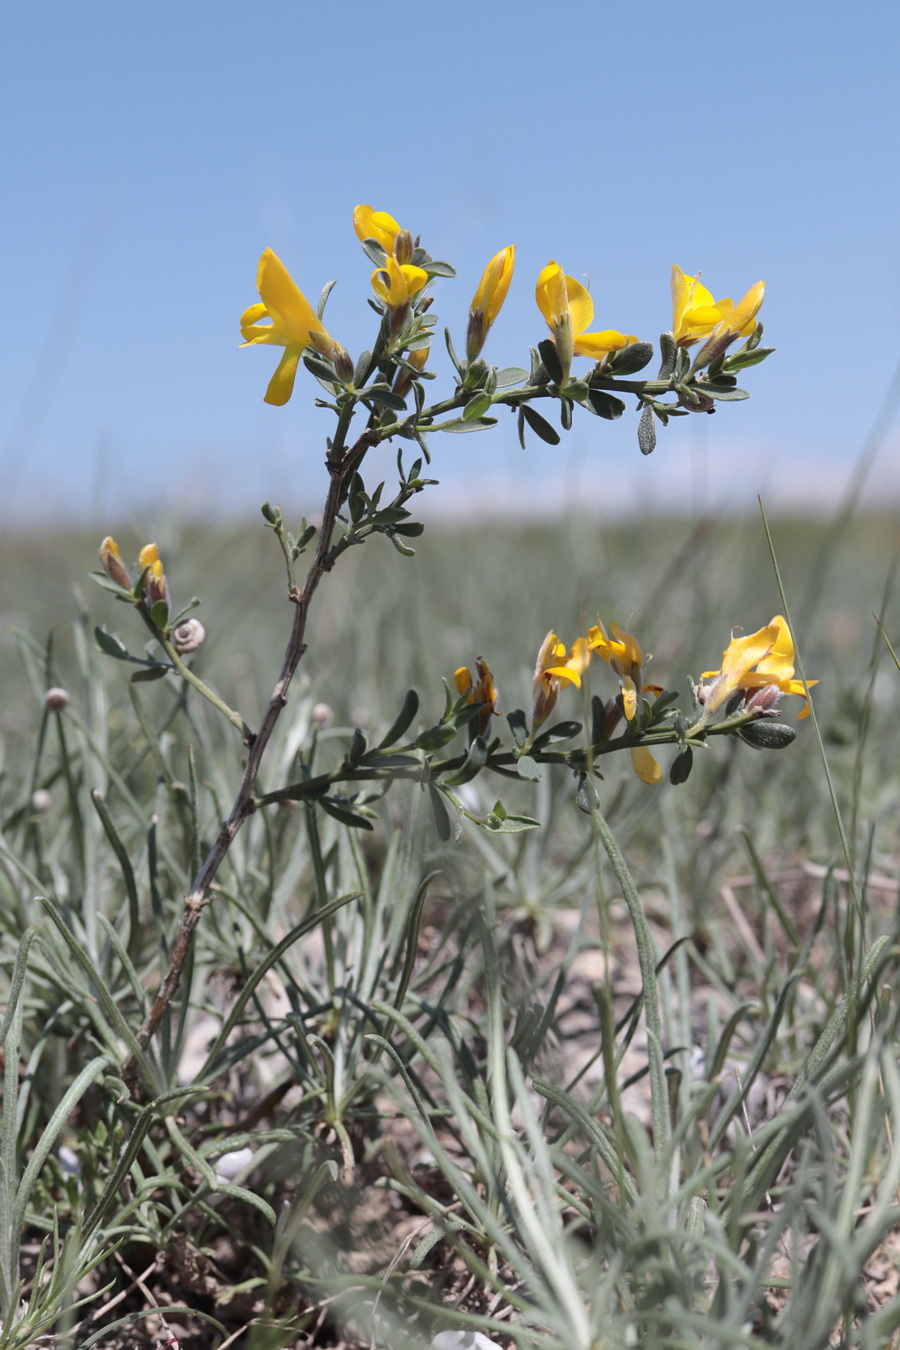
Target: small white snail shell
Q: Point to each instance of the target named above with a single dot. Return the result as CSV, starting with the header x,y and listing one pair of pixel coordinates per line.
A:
x,y
188,636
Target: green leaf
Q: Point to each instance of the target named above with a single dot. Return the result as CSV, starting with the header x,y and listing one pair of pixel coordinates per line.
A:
x,y
441,816
111,645
342,812
320,368
401,548
668,353
518,726
510,375
742,359
385,398
520,426
374,251
357,747
681,766
550,358
323,298
160,613
361,368
148,674
473,764
435,738
560,731
605,405
498,822
439,269
723,392
451,351
410,529
458,424
647,430
108,584
476,406
630,359
540,426
598,720
527,768
402,721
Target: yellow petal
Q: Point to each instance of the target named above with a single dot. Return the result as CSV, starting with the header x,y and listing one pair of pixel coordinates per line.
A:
x,y
629,697
599,344
780,660
742,319
290,310
377,225
645,766
148,555
252,314
281,385
579,655
581,306
551,295
567,673
462,677
630,646
743,653
494,285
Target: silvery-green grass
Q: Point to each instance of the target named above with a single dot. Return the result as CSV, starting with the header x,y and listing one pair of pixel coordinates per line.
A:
x,y
420,982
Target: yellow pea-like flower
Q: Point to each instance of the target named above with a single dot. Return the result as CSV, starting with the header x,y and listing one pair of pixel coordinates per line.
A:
x,y
695,314
488,298
761,661
292,324
555,670
568,310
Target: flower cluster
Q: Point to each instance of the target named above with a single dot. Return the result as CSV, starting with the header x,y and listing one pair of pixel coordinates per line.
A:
x,y
402,276
755,672
151,577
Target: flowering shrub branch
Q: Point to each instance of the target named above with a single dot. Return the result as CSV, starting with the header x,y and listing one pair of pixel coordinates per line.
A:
x,y
387,386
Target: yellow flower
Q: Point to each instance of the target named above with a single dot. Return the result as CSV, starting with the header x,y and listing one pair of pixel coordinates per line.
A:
x,y
555,669
156,587
623,653
488,299
483,692
771,651
568,309
695,314
378,225
294,325
397,283
111,562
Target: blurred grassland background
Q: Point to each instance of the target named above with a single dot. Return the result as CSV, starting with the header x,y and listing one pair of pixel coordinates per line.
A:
x,y
383,624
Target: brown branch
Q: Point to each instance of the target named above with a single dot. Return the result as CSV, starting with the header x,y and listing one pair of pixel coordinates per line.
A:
x,y
243,806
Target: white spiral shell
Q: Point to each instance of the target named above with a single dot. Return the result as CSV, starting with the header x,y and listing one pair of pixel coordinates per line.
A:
x,y
188,636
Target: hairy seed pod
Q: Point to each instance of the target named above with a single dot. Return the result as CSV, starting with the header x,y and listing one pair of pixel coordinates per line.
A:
x,y
188,636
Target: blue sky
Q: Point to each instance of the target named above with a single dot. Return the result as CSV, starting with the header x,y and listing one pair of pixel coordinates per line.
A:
x,y
159,147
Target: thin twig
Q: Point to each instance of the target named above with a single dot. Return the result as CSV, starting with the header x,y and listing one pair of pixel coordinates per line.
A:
x,y
243,803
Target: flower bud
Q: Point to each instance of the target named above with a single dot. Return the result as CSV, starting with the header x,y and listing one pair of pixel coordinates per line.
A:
x,y
488,299
112,563
403,247
155,584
